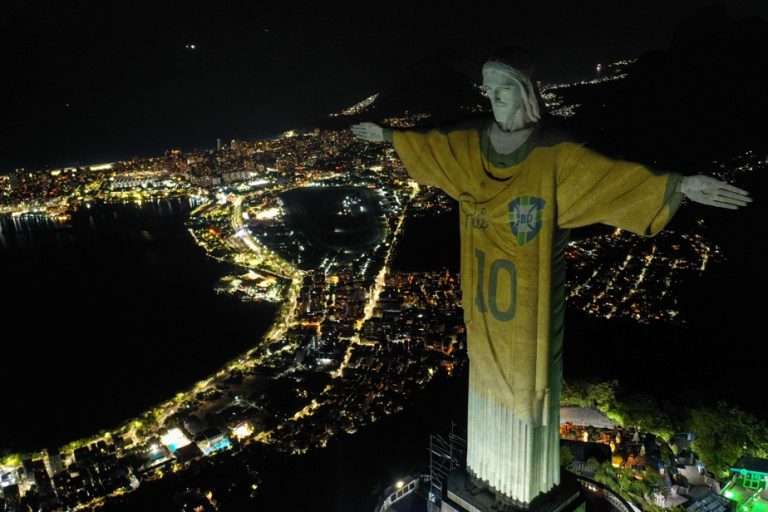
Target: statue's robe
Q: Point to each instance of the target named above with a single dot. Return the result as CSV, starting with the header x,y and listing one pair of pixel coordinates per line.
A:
x,y
516,212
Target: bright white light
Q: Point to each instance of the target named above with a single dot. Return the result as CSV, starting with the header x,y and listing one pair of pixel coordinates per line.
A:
x,y
174,439
399,484
269,213
242,430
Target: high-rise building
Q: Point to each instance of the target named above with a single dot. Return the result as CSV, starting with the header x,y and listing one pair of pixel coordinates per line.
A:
x,y
52,462
12,497
15,179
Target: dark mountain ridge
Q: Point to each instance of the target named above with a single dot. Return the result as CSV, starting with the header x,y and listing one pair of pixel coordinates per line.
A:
x,y
441,85
702,99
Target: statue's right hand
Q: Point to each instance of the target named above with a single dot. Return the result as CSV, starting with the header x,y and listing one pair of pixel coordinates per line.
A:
x,y
368,131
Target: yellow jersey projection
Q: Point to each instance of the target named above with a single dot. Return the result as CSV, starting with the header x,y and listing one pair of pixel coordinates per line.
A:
x,y
516,210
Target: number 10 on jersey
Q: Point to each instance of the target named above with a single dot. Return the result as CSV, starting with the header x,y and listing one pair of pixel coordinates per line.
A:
x,y
489,303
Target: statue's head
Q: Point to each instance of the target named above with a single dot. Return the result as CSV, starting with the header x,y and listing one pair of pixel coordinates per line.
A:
x,y
507,84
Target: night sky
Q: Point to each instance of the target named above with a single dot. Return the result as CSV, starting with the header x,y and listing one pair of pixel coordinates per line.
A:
x,y
93,82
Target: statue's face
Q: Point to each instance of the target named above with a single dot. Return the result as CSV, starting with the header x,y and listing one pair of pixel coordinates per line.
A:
x,y
505,95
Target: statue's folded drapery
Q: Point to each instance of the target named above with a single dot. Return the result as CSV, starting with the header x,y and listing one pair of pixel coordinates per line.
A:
x,y
516,210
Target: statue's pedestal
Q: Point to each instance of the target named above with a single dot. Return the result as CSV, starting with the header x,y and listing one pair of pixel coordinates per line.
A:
x,y
463,496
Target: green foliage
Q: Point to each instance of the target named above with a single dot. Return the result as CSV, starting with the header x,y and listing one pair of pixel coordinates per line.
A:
x,y
638,489
587,394
145,430
74,445
641,411
724,434
623,481
666,452
646,414
566,456
157,413
622,477
616,416
603,394
14,459
604,474
654,479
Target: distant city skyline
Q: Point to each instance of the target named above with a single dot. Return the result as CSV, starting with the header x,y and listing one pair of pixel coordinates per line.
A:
x,y
353,341
356,338
88,84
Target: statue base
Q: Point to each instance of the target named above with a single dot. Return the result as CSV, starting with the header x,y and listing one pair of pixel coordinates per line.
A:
x,y
463,495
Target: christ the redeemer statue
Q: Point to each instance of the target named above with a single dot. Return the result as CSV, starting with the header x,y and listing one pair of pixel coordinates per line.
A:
x,y
521,188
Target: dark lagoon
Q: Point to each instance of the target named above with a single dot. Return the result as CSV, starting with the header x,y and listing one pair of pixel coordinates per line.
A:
x,y
106,317
339,222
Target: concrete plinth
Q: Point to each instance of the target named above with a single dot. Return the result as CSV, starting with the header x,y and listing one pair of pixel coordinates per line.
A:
x,y
464,496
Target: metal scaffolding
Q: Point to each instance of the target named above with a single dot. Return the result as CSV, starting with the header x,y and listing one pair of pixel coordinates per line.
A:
x,y
445,455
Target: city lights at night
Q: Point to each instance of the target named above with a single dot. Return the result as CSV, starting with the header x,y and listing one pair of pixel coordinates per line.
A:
x,y
234,251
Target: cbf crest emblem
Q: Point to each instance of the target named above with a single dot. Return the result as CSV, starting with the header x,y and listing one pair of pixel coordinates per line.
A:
x,y
525,216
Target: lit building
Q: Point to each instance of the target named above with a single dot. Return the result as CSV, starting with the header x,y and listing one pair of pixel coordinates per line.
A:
x,y
749,479
212,440
53,463
174,439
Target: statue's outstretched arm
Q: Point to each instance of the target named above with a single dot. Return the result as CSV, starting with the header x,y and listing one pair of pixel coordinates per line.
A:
x,y
371,132
711,191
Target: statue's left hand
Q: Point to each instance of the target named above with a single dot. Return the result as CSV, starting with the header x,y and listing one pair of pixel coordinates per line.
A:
x,y
711,191
371,132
